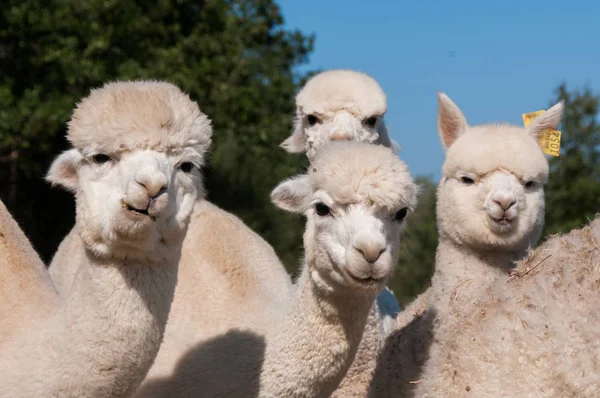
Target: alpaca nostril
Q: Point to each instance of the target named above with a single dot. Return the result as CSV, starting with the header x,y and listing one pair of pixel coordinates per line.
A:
x,y
505,204
153,190
154,186
371,252
162,190
341,137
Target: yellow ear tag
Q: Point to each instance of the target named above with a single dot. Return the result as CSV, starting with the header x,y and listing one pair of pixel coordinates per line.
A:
x,y
549,139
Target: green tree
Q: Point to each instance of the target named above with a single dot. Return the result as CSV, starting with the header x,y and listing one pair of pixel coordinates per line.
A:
x,y
233,56
573,189
417,251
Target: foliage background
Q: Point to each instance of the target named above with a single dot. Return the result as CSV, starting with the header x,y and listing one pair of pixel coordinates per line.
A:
x,y
236,59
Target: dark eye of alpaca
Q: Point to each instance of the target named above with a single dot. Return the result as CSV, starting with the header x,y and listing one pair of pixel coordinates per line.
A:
x,y
371,122
466,180
186,167
322,209
100,158
312,120
529,184
401,214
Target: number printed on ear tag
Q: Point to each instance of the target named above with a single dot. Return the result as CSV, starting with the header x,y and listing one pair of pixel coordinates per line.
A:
x,y
549,139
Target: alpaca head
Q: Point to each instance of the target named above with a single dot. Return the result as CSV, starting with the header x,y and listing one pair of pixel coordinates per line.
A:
x,y
338,105
134,168
355,197
491,195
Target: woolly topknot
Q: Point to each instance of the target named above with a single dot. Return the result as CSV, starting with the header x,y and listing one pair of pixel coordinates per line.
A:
x,y
338,89
494,146
134,115
352,172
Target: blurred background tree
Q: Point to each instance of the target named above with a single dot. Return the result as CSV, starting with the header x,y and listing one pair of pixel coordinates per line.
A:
x,y
417,251
231,56
573,190
236,59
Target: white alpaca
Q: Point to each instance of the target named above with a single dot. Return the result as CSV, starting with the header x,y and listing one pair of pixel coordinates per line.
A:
x,y
229,279
536,336
490,208
342,104
134,170
355,197
339,104
26,291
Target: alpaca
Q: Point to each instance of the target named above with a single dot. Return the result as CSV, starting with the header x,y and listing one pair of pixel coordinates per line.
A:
x,y
339,104
134,170
26,291
229,279
355,212
490,207
344,104
536,334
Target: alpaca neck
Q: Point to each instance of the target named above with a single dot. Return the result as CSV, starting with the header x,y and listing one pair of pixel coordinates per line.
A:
x,y
311,351
124,290
128,305
106,334
464,275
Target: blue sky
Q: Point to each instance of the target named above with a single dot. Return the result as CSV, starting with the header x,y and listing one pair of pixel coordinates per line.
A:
x,y
495,59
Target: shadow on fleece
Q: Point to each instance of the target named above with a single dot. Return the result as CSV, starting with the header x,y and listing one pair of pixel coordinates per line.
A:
x,y
406,349
225,366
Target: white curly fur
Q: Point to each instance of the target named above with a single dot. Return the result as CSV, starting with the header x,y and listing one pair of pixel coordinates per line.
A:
x,y
531,333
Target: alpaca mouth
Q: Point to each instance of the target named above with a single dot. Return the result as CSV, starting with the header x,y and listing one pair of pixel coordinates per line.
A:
x,y
367,281
502,224
144,212
504,221
133,211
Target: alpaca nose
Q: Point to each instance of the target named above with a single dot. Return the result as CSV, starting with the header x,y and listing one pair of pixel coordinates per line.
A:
x,y
371,250
155,183
342,128
340,136
505,201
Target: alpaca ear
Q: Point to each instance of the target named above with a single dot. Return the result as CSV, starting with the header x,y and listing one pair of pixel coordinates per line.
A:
x,y
547,120
63,170
293,194
451,121
296,142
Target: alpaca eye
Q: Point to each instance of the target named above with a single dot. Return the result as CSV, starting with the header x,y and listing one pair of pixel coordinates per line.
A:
x,y
466,180
401,214
530,184
100,158
322,209
371,122
186,167
312,120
